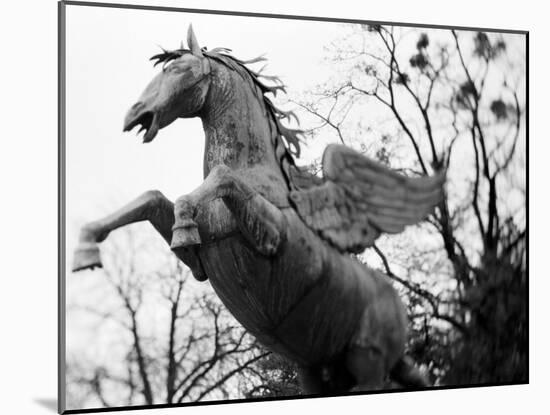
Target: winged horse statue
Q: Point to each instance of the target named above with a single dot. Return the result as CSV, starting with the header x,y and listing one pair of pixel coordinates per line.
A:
x,y
273,240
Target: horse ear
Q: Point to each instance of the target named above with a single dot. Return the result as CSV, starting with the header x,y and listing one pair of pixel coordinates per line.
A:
x,y
192,42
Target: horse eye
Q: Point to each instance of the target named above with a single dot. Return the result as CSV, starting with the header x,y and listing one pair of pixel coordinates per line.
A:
x,y
175,68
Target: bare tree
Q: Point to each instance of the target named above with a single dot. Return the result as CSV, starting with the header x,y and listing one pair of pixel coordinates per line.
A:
x,y
170,340
454,100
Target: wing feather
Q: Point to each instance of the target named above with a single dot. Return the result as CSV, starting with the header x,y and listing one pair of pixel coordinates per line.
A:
x,y
361,198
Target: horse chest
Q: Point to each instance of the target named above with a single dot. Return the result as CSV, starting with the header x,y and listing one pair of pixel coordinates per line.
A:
x,y
244,281
291,301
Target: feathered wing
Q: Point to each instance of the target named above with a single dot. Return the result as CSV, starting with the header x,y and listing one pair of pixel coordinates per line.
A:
x,y
360,199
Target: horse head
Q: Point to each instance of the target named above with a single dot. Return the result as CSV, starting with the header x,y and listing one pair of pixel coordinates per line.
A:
x,y
243,128
178,91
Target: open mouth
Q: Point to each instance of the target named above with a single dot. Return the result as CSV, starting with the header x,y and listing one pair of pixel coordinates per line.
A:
x,y
148,122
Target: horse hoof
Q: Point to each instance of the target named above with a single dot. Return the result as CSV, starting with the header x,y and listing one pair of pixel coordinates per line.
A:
x,y
86,256
185,234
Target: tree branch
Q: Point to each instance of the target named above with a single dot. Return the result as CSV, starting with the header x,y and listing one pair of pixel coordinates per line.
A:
x,y
228,375
432,300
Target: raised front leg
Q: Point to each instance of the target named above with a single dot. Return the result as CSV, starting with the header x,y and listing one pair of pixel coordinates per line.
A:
x,y
260,222
152,206
310,381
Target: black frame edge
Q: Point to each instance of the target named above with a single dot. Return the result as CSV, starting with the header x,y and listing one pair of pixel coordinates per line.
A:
x,y
286,16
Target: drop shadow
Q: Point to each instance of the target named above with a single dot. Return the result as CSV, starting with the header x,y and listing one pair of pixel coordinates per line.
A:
x,y
48,403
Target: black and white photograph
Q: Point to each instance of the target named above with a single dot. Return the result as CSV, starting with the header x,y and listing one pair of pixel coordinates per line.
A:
x,y
281,207
265,207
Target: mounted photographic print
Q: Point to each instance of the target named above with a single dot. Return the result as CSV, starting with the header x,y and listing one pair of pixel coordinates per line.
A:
x,y
264,207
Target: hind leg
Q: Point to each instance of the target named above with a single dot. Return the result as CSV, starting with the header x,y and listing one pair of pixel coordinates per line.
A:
x,y
379,341
310,380
331,378
367,365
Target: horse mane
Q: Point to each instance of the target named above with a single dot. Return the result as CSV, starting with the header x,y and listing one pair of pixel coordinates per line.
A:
x,y
286,141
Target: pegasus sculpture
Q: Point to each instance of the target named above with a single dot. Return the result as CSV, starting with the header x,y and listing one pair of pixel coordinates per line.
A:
x,y
273,240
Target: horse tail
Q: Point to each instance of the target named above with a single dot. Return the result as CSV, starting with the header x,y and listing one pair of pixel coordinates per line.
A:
x,y
407,374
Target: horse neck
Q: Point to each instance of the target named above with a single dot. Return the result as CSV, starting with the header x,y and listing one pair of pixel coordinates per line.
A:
x,y
237,126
